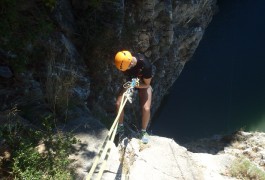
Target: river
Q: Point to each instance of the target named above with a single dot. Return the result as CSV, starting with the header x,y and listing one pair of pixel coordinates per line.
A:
x,y
222,88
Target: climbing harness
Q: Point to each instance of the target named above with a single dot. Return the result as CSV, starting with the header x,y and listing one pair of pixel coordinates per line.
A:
x,y
106,146
130,88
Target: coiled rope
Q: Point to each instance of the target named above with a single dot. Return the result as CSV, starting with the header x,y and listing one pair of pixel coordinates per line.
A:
x,y
106,146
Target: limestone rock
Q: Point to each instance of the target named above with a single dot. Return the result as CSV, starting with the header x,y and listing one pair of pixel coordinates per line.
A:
x,y
91,134
163,158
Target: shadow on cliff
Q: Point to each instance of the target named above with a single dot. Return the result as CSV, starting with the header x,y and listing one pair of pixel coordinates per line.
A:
x,y
213,145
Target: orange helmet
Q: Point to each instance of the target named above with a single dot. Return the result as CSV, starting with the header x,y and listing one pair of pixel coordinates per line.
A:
x,y
123,60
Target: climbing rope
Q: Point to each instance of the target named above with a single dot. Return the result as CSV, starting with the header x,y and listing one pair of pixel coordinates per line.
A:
x,y
106,146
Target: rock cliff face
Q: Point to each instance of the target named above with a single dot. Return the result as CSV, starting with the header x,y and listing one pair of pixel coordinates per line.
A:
x,y
76,60
60,61
69,61
166,32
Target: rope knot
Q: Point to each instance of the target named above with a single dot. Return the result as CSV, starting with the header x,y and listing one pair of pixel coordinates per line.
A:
x,y
130,85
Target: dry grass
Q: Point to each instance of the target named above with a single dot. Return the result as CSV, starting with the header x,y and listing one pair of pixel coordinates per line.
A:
x,y
61,78
124,161
143,146
127,158
243,168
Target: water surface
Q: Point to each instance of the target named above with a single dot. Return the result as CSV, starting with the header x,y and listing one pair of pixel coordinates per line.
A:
x,y
222,88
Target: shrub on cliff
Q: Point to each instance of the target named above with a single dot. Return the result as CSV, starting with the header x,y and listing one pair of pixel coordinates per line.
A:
x,y
243,168
36,153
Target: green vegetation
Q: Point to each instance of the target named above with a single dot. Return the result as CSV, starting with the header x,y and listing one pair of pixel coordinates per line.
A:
x,y
28,152
243,168
28,160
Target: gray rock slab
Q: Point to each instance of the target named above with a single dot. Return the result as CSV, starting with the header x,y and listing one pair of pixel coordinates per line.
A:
x,y
164,159
213,166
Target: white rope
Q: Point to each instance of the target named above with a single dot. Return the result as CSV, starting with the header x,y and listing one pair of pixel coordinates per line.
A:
x,y
106,146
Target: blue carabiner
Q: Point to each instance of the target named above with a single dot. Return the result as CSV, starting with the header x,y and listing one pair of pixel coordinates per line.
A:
x,y
133,83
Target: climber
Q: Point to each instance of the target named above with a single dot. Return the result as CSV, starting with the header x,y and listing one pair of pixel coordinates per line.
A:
x,y
136,66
